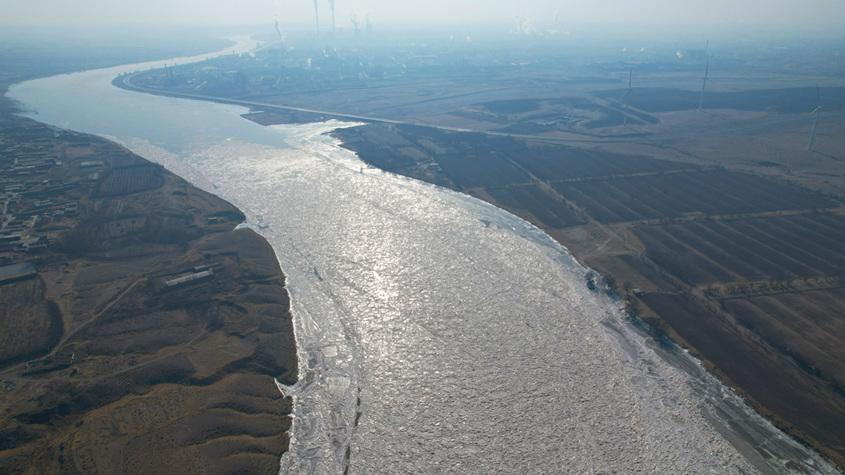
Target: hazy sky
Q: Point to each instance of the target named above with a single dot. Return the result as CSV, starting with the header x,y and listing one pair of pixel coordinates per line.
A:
x,y
798,13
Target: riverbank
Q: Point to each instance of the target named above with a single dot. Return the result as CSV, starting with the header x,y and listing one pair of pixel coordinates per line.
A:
x,y
370,307
154,330
510,181
564,197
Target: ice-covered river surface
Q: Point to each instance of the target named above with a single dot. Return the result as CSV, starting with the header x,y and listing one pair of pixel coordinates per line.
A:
x,y
436,333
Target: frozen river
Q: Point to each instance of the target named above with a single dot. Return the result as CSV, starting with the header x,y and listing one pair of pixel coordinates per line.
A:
x,y
436,333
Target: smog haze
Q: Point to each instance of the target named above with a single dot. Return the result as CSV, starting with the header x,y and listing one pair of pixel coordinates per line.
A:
x,y
788,14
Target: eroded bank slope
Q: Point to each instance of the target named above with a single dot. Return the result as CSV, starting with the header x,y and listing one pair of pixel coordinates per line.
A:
x,y
147,338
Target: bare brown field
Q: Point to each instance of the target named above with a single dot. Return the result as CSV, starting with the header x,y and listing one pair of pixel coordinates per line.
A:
x,y
659,196
787,100
555,163
779,248
807,326
540,204
815,413
29,323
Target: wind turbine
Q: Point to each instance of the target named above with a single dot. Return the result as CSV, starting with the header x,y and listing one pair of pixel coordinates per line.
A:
x,y
704,84
706,76
627,97
811,147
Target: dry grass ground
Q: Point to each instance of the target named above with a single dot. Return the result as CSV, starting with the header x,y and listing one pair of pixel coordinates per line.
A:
x,y
106,368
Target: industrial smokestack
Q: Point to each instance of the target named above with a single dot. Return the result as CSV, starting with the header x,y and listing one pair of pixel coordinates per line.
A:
x,y
332,6
356,25
317,16
276,17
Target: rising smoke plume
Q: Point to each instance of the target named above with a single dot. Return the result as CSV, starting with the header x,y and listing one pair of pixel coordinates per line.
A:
x,y
276,17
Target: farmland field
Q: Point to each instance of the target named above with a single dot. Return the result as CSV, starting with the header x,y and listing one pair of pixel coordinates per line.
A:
x,y
791,100
532,199
775,382
512,106
29,324
806,325
563,163
716,192
481,169
132,179
781,248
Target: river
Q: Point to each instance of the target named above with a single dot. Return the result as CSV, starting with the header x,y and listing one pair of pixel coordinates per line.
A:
x,y
436,332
